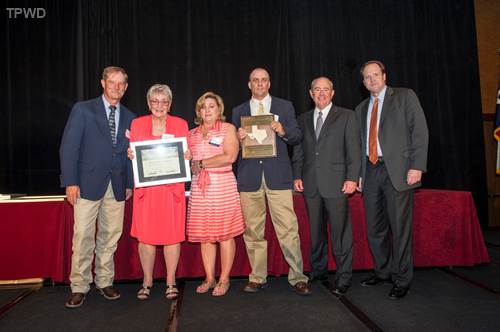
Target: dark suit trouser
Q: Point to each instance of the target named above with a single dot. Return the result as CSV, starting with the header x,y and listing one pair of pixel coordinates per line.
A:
x,y
340,234
388,211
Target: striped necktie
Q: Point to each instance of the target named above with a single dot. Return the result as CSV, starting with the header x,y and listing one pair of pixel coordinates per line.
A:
x,y
112,123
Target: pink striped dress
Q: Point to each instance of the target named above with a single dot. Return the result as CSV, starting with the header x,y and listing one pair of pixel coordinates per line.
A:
x,y
214,209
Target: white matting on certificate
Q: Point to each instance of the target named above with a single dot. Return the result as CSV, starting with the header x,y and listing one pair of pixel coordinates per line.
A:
x,y
160,162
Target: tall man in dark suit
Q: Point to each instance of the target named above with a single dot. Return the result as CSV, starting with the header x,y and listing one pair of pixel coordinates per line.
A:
x,y
98,179
326,167
269,178
394,155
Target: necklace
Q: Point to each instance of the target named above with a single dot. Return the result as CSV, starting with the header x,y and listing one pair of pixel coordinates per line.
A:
x,y
205,131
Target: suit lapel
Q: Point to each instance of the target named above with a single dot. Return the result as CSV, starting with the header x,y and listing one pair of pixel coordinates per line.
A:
x,y
386,107
273,110
364,114
120,135
332,115
309,117
246,109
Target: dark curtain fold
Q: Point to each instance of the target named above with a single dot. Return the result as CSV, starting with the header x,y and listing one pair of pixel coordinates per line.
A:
x,y
195,46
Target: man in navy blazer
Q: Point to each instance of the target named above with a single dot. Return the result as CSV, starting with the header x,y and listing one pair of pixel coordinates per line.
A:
x,y
269,178
395,140
98,179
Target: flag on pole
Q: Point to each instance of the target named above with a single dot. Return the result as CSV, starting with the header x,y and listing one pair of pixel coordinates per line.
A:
x,y
496,133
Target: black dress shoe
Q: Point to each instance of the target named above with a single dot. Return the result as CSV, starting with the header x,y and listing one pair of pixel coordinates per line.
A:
x,y
374,280
398,292
340,290
109,293
75,300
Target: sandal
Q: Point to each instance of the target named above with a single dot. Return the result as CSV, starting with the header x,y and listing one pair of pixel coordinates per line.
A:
x,y
143,293
221,288
172,292
205,286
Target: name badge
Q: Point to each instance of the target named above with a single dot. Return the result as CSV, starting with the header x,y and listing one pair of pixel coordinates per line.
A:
x,y
216,141
166,136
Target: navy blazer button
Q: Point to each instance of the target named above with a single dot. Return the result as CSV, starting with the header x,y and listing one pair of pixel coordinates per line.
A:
x,y
260,161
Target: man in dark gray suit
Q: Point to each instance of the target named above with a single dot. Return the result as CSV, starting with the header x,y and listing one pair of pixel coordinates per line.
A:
x,y
394,156
326,167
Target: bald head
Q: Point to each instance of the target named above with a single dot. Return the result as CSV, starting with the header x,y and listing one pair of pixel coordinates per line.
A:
x,y
322,92
259,83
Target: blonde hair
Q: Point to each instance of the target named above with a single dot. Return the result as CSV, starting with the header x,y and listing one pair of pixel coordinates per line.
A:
x,y
201,101
114,69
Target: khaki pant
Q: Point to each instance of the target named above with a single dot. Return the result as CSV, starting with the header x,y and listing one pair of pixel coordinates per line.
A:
x,y
285,224
109,216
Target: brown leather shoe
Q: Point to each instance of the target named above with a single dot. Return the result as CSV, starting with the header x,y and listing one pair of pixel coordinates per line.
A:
x,y
75,300
302,288
109,293
254,287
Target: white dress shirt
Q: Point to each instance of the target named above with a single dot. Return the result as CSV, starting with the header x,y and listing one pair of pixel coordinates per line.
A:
x,y
254,105
325,112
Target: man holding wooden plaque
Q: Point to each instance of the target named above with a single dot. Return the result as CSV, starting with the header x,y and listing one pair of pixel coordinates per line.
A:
x,y
264,172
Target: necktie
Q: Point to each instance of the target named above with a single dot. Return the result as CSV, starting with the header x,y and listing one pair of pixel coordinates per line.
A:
x,y
112,123
319,123
260,111
372,142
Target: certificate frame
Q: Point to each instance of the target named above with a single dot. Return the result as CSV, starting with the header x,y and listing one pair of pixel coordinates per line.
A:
x,y
251,147
159,162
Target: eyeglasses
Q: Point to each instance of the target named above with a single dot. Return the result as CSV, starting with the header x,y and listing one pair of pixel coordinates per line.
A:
x,y
157,102
317,89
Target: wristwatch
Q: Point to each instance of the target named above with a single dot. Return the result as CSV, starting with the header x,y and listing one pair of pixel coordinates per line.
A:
x,y
200,164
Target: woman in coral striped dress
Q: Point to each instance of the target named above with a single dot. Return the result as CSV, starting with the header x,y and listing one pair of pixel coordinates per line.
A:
x,y
214,210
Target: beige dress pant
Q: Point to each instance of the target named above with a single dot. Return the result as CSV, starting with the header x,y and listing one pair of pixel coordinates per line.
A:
x,y
285,224
107,214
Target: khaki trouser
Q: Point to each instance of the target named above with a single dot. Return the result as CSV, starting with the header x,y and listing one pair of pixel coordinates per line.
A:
x,y
109,214
285,224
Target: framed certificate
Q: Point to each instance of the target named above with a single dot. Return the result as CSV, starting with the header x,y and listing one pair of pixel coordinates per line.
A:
x,y
160,162
261,138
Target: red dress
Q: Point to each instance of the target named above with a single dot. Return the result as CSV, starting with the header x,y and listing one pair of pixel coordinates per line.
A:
x,y
214,209
159,211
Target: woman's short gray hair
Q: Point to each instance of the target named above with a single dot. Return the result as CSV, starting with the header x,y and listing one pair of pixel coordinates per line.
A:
x,y
159,89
